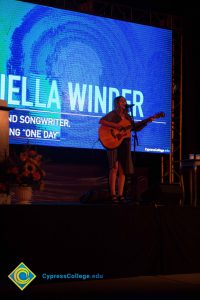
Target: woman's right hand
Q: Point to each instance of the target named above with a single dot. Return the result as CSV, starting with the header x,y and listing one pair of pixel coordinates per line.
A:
x,y
119,127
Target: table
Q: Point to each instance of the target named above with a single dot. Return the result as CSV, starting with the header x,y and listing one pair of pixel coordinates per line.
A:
x,y
192,165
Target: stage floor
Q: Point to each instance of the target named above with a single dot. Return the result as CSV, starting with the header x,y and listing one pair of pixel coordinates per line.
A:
x,y
141,250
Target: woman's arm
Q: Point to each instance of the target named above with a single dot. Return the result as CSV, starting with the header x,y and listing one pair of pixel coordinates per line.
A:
x,y
109,124
141,124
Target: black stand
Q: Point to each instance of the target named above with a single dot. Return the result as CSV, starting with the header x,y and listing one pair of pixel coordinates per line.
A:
x,y
6,108
135,138
132,179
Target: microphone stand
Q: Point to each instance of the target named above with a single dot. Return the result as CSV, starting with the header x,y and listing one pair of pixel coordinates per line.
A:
x,y
135,138
132,180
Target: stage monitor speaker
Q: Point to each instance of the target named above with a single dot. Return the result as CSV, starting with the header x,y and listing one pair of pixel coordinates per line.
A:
x,y
163,194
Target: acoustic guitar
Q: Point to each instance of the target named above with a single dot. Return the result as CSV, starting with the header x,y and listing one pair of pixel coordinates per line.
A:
x,y
111,138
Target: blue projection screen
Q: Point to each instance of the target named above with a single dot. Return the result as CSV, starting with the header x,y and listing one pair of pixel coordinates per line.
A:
x,y
61,70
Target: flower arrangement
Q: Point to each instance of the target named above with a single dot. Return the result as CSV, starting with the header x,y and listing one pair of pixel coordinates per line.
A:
x,y
25,169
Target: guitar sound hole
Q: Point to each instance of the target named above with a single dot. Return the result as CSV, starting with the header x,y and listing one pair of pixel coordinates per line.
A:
x,y
112,133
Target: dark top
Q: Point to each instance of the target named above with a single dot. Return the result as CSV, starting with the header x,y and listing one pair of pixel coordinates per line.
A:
x,y
123,152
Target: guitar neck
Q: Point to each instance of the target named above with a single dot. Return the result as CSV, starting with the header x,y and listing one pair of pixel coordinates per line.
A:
x,y
111,138
145,121
156,116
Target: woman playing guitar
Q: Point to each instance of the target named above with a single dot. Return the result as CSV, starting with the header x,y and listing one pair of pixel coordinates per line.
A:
x,y
115,136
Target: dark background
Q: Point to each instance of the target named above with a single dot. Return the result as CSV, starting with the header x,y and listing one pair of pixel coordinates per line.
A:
x,y
111,240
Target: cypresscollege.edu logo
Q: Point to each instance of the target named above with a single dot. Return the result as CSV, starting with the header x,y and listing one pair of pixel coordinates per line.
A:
x,y
72,276
22,276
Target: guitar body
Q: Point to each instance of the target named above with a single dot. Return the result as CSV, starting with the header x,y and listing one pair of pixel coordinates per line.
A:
x,y
111,138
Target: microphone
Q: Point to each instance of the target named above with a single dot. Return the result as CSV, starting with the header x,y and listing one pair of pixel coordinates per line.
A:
x,y
129,106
